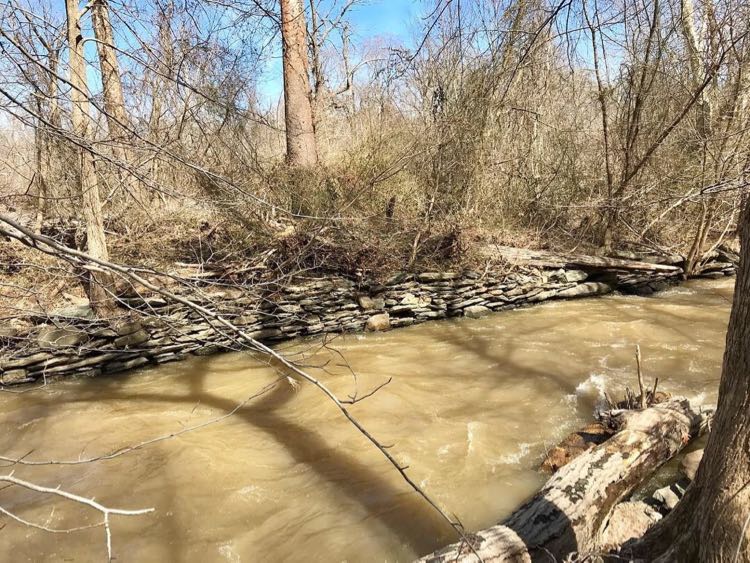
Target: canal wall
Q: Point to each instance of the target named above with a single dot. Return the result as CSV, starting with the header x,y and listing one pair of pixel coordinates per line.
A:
x,y
155,331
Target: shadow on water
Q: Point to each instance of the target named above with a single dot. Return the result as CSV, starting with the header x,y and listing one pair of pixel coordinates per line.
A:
x,y
414,523
505,360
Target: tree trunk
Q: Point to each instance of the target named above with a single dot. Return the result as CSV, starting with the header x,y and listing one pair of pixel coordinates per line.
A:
x,y
695,59
114,101
573,509
545,259
99,287
712,522
40,149
301,150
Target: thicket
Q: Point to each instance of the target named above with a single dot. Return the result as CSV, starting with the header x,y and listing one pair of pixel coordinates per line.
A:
x,y
572,125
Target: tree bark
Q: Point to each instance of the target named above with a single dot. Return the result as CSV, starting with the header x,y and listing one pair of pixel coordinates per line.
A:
x,y
114,101
712,521
573,509
100,284
695,60
301,149
40,149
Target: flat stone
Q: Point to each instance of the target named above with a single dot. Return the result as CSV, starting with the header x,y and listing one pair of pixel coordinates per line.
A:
x,y
557,276
104,333
436,276
169,357
129,328
208,350
403,309
410,299
114,367
243,320
290,308
79,310
467,303
96,360
14,377
689,464
53,336
431,315
368,303
378,322
25,361
476,311
585,289
265,334
572,276
133,339
7,332
398,278
543,296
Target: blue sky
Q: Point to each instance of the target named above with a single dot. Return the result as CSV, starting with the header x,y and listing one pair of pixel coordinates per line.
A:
x,y
381,17
390,18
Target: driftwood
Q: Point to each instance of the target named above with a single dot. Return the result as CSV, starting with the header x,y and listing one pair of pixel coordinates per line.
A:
x,y
544,259
571,511
598,432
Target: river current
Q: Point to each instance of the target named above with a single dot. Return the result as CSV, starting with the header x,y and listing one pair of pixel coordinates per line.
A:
x,y
471,408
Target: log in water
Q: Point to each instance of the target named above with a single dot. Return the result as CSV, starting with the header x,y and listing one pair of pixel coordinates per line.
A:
x,y
471,409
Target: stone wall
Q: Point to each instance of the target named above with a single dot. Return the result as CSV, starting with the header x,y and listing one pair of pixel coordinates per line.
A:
x,y
157,332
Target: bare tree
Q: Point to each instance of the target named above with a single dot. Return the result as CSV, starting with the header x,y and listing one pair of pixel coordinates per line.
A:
x,y
301,148
114,101
100,286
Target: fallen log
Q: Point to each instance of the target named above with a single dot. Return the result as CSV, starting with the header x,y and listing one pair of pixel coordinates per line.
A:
x,y
544,259
595,433
571,511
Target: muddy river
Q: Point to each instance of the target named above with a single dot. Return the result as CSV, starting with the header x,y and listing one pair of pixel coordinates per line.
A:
x,y
471,407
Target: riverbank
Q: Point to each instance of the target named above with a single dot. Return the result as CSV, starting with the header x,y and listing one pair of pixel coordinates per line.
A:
x,y
69,343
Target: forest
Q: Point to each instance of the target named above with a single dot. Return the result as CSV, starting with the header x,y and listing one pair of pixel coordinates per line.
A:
x,y
273,177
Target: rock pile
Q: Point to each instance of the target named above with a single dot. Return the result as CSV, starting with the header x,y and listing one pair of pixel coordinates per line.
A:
x,y
160,332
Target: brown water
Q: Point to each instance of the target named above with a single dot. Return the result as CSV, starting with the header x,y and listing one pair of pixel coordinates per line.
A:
x,y
471,408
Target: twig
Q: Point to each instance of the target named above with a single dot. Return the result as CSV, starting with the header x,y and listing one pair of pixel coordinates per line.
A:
x,y
353,399
105,510
85,261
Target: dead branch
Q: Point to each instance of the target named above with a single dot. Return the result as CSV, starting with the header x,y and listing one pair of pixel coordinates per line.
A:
x,y
104,510
84,261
